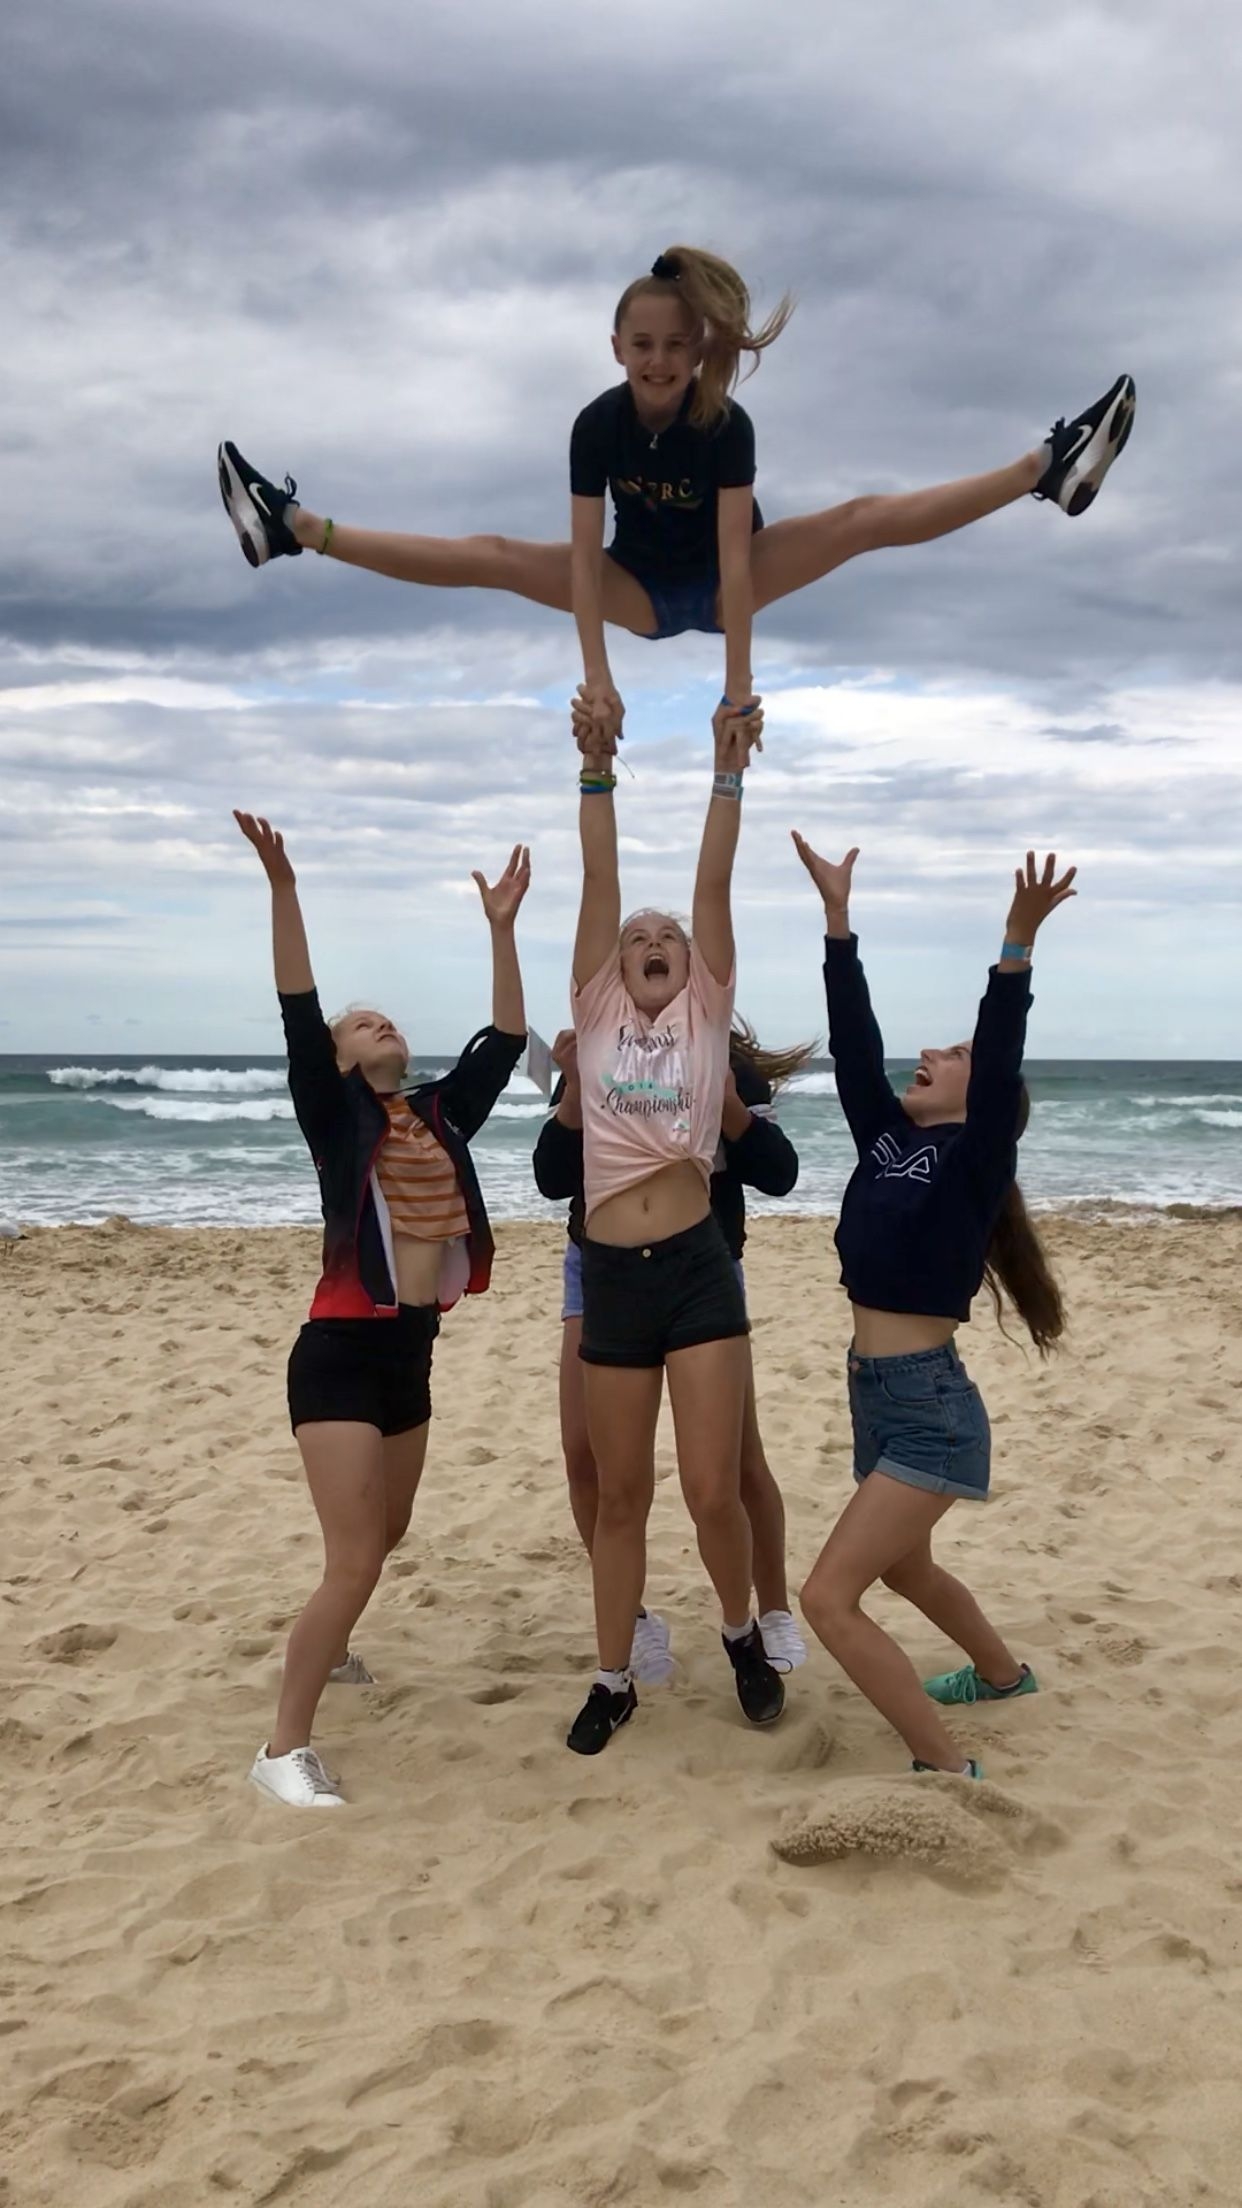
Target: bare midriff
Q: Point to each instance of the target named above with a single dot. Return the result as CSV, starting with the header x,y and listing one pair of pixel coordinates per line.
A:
x,y
666,1203
898,1333
418,1268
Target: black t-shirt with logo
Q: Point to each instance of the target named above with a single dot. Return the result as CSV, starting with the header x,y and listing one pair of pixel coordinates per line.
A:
x,y
664,482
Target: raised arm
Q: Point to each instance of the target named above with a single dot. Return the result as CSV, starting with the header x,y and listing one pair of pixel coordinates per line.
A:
x,y
316,1083
588,483
734,529
734,460
712,912
599,915
502,902
586,585
854,1040
290,951
994,1098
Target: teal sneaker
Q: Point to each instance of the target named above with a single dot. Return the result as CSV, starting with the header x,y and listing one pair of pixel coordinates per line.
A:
x,y
967,1686
974,1769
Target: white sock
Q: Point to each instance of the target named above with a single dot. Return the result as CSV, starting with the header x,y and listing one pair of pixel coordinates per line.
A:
x,y
617,1682
738,1632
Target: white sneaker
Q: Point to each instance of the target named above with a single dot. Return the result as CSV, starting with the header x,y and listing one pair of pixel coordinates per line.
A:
x,y
651,1657
298,1779
352,1673
783,1643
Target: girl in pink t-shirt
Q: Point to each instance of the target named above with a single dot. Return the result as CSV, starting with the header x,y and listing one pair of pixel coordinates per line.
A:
x,y
652,1011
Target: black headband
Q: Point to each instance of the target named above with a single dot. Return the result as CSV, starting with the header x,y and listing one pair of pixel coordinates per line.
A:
x,y
666,267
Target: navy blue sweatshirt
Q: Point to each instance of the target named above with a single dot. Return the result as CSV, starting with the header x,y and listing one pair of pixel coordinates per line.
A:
x,y
762,1157
921,1204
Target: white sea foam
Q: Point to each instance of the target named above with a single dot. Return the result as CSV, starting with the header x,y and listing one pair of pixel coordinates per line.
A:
x,y
199,1110
185,1081
811,1084
1186,1103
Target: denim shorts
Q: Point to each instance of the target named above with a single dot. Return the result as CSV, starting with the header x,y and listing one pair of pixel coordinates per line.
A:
x,y
921,1420
571,1289
685,602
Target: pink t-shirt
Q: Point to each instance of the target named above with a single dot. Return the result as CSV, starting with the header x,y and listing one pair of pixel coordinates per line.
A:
x,y
652,1090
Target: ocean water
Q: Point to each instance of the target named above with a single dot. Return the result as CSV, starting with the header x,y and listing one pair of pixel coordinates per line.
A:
x,y
189,1142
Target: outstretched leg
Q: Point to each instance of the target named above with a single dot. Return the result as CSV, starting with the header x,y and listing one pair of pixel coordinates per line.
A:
x,y
1067,470
271,524
788,555
539,572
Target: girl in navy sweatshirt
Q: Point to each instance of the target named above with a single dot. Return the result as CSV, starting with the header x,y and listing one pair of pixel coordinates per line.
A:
x,y
931,1213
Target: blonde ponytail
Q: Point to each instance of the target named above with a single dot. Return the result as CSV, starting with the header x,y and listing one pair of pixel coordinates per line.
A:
x,y
718,304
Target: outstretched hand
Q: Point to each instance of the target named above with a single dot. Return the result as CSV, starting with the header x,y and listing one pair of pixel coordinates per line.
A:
x,y
595,740
1035,896
270,845
502,899
736,734
832,881
605,711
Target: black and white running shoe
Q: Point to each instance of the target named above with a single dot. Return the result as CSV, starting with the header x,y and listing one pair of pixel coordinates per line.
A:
x,y
599,1717
760,1690
1083,451
256,508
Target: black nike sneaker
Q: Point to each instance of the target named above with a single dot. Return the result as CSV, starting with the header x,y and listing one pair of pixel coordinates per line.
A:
x,y
256,508
598,1719
1083,451
760,1690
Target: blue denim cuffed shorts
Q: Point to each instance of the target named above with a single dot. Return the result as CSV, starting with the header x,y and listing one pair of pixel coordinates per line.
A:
x,y
921,1420
678,604
571,1281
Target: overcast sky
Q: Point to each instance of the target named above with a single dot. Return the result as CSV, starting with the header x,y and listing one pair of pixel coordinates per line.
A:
x,y
380,248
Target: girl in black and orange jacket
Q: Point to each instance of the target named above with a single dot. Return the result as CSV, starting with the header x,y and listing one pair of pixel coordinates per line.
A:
x,y
405,1234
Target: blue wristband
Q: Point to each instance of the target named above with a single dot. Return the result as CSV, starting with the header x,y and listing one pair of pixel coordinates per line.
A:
x,y
1023,951
743,710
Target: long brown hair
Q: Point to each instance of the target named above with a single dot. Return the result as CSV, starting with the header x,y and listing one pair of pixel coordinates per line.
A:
x,y
718,304
1017,1264
773,1066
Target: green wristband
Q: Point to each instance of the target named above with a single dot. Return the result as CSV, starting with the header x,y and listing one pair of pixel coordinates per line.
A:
x,y
328,527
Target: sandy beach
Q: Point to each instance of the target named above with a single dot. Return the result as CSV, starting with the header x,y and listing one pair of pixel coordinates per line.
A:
x,y
749,1969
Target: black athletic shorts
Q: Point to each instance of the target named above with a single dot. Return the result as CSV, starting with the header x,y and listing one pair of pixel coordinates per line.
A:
x,y
638,1305
374,1371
